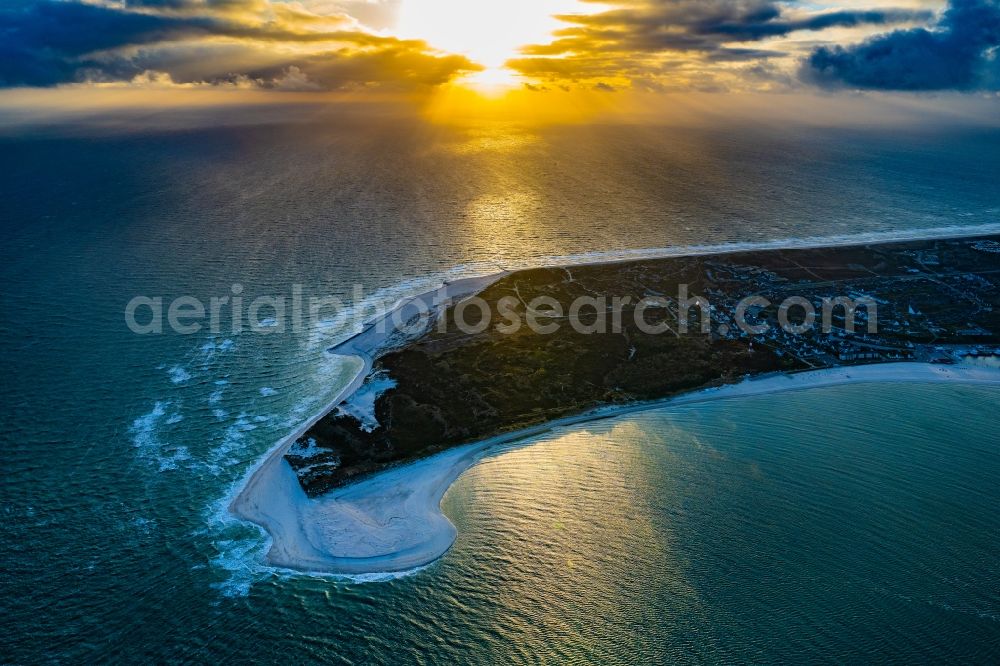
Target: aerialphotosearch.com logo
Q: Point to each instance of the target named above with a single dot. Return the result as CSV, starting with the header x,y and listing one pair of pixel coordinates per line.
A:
x,y
267,315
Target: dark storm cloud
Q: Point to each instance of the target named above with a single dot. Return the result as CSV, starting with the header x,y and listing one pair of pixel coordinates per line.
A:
x,y
760,27
626,37
960,53
706,24
48,42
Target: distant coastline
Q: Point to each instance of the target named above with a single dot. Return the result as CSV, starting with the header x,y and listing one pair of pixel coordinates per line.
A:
x,y
391,520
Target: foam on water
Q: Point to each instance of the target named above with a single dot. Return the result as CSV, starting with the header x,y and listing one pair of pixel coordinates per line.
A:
x,y
242,558
352,320
179,375
195,213
241,547
958,231
148,441
213,346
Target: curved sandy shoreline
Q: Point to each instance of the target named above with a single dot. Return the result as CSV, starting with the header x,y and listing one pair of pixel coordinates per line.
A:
x,y
273,497
392,521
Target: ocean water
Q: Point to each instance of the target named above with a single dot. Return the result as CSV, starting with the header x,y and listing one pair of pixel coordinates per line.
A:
x,y
647,537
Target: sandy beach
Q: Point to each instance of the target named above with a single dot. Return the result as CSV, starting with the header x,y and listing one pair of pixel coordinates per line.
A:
x,y
392,521
272,496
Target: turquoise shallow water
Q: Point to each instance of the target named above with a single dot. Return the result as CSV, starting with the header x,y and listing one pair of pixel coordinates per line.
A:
x,y
828,524
842,524
835,524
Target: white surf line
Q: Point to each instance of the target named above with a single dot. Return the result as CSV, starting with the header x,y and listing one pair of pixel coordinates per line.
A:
x,y
365,345
271,496
809,243
392,522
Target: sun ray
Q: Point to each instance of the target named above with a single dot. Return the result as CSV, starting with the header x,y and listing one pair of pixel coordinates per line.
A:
x,y
490,32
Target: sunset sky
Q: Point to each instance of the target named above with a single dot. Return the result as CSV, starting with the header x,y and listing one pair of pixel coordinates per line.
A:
x,y
541,46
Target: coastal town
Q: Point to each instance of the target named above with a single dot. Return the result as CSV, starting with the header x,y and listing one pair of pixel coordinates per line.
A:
x,y
928,312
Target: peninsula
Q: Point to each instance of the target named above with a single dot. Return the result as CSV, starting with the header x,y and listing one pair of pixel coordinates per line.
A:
x,y
356,490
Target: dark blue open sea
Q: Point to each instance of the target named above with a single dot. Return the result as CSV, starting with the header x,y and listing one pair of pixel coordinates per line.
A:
x,y
850,524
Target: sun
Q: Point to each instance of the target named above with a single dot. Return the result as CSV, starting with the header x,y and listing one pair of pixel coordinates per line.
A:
x,y
489,32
